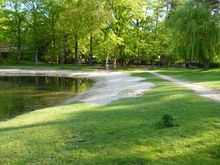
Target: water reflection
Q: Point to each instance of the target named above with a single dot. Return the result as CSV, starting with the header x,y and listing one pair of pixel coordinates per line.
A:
x,y
22,94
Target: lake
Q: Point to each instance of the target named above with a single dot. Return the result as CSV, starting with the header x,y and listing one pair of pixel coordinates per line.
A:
x,y
19,95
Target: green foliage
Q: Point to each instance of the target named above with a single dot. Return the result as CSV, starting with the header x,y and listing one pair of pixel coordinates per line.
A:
x,y
196,31
122,31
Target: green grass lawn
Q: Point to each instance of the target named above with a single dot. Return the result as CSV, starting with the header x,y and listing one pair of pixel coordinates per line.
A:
x,y
32,65
123,132
209,78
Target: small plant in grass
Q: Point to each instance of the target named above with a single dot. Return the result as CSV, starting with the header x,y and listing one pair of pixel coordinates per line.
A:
x,y
167,121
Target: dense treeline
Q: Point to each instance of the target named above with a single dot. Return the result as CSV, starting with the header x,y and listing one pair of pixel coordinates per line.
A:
x,y
163,32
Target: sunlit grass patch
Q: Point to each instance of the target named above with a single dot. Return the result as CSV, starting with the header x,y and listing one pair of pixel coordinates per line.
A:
x,y
210,78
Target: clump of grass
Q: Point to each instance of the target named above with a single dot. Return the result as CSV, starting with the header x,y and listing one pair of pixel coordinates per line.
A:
x,y
168,121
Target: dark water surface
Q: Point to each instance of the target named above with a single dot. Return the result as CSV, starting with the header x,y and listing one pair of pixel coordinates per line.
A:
x,y
23,94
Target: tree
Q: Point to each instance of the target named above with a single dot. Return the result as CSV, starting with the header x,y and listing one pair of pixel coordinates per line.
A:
x,y
156,11
37,26
121,12
13,24
74,9
2,19
53,10
95,17
196,32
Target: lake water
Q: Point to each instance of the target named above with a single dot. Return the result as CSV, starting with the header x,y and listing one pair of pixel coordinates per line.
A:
x,y
23,94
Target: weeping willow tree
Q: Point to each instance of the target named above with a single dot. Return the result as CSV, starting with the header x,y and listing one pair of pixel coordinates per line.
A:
x,y
196,32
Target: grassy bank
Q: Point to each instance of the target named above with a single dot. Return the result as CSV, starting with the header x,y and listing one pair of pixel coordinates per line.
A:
x,y
32,65
209,78
123,132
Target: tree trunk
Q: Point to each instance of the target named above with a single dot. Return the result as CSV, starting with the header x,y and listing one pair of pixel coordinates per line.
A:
x,y
35,36
36,56
76,50
64,50
106,64
206,64
91,50
54,38
166,62
18,40
155,38
152,62
115,63
122,62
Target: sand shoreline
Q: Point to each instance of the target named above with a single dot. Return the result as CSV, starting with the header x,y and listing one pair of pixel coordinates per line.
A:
x,y
110,86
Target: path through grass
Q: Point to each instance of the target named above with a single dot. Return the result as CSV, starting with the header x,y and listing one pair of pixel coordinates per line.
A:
x,y
210,78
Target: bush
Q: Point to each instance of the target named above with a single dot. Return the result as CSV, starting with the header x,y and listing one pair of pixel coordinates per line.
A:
x,y
167,121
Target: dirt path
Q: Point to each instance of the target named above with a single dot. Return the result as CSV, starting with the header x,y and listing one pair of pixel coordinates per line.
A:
x,y
199,89
109,86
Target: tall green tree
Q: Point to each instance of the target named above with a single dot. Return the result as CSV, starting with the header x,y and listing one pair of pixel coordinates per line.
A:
x,y
74,10
53,9
37,25
95,17
2,17
196,32
13,24
121,12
